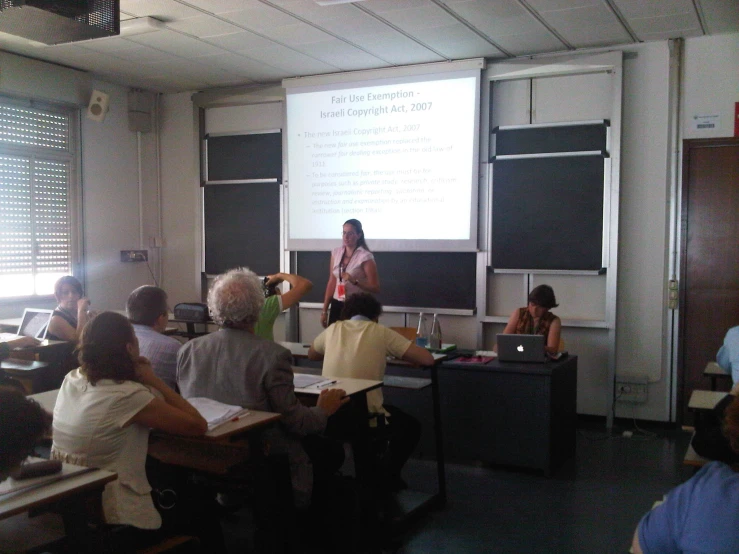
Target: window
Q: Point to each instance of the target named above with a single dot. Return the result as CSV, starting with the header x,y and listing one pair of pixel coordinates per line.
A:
x,y
37,200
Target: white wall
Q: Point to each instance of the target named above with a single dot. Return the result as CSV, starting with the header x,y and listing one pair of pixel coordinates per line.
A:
x,y
711,84
643,227
110,202
182,219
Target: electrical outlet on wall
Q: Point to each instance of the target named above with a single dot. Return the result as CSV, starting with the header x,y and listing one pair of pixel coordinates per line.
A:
x,y
632,389
134,255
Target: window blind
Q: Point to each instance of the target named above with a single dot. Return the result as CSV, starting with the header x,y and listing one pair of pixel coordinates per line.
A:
x,y
35,223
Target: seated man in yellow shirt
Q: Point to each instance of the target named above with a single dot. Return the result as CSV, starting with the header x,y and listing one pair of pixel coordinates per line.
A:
x,y
357,346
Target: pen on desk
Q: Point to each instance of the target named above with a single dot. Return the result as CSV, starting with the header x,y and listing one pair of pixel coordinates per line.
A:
x,y
324,385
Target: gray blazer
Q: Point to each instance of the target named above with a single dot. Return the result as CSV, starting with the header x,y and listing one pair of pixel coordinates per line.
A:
x,y
237,367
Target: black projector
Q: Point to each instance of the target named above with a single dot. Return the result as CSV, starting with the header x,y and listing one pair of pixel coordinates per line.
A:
x,y
192,311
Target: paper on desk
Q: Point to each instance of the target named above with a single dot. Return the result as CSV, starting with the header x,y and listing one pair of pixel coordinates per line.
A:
x,y
304,380
215,412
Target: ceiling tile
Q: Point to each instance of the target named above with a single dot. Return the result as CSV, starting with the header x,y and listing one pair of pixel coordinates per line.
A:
x,y
241,65
177,44
597,35
240,42
109,45
721,16
652,8
422,17
456,41
586,16
395,48
665,24
298,33
259,17
163,10
221,6
530,43
496,24
342,55
294,62
552,5
203,26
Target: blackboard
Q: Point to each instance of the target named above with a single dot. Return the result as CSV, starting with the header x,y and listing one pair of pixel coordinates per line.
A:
x,y
539,140
548,213
442,280
244,157
242,227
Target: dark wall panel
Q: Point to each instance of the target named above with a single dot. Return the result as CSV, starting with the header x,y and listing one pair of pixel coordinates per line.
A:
x,y
548,213
242,227
444,280
244,157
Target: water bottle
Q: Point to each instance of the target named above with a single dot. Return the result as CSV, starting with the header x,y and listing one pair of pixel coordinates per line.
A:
x,y
422,335
435,337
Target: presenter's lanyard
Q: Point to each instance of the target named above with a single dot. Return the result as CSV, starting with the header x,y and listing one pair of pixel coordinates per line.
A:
x,y
342,266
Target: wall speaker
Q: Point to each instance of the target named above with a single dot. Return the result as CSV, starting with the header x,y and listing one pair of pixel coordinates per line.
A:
x,y
98,106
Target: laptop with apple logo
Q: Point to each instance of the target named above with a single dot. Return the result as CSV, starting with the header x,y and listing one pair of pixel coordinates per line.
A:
x,y
521,348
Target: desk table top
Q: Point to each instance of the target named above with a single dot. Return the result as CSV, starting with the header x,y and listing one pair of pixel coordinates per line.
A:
x,y
350,386
300,350
73,480
247,422
705,399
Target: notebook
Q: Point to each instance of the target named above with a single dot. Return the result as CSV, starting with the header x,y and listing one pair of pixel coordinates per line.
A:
x,y
35,323
521,348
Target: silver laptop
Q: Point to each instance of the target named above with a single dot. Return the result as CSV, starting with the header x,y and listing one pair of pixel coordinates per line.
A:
x,y
521,348
34,323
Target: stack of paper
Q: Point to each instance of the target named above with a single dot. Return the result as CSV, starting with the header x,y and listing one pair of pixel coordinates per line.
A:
x,y
305,380
215,412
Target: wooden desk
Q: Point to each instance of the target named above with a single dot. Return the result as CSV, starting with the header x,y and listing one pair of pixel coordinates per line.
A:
x,y
215,452
503,413
76,497
352,387
715,372
705,400
10,325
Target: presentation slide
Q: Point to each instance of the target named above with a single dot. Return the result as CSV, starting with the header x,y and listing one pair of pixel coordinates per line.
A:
x,y
400,156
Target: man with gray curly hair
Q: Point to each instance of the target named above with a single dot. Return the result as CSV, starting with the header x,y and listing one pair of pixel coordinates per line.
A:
x,y
235,366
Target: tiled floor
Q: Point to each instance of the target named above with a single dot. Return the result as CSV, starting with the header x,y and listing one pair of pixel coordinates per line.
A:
x,y
591,505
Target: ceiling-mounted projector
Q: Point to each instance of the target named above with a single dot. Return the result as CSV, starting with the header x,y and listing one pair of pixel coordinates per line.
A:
x,y
60,21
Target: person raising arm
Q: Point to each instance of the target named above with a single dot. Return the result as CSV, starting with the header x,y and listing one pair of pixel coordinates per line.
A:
x,y
276,303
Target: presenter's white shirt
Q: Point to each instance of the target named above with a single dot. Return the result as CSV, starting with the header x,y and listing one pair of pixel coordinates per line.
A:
x,y
358,348
91,428
353,268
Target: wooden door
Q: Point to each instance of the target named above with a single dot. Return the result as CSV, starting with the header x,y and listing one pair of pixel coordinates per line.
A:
x,y
709,299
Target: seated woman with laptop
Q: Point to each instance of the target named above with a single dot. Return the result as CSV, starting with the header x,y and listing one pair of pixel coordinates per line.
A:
x,y
71,315
536,319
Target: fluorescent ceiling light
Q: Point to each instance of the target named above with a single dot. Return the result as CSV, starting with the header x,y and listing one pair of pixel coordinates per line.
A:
x,y
140,26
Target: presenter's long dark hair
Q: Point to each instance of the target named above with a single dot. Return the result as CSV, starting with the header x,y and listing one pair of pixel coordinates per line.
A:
x,y
358,229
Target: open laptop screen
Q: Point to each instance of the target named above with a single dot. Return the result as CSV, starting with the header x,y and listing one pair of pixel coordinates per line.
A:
x,y
35,323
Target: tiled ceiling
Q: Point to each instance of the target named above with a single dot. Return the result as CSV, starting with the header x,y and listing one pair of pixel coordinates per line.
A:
x,y
204,44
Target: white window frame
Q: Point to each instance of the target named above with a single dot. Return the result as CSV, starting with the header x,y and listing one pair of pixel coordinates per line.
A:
x,y
72,156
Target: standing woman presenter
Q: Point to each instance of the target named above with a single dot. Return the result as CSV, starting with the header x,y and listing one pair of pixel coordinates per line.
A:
x,y
352,270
